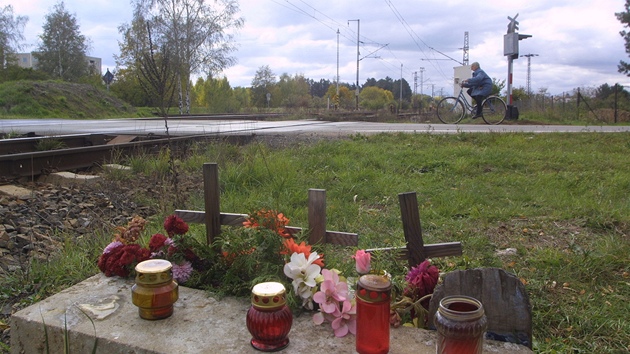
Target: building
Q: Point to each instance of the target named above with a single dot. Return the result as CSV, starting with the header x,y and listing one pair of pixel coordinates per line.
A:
x,y
28,60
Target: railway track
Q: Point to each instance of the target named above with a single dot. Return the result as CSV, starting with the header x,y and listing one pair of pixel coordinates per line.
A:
x,y
34,156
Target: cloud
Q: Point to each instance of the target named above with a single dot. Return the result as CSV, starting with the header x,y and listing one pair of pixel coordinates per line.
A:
x,y
577,42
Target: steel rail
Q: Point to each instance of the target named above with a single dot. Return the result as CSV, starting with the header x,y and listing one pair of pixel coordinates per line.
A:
x,y
32,164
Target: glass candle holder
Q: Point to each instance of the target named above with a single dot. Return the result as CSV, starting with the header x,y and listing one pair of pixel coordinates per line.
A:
x,y
269,319
460,322
155,291
373,296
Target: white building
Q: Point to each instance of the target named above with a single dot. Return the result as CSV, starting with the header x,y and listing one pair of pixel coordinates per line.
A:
x,y
28,60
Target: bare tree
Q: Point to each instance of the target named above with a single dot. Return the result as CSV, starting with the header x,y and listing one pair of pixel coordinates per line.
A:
x,y
11,35
197,33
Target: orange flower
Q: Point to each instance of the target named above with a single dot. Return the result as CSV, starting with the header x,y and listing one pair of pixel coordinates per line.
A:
x,y
230,257
292,247
269,219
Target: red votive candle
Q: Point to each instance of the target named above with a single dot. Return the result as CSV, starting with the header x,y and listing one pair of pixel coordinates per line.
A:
x,y
373,297
269,319
460,322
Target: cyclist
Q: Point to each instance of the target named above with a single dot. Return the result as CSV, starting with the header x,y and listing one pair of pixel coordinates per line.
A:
x,y
480,86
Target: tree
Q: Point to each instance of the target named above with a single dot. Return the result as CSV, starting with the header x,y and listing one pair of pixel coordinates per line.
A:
x,y
375,98
11,34
624,18
196,33
605,91
346,99
62,51
497,86
294,91
519,94
263,83
215,95
319,88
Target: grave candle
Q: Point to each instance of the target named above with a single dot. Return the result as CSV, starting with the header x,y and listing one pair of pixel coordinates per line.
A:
x,y
373,297
155,291
460,322
269,319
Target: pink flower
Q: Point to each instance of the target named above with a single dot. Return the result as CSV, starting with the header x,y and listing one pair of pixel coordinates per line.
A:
x,y
332,291
182,272
362,259
346,321
111,246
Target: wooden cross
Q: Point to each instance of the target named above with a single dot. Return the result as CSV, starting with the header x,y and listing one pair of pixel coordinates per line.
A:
x,y
415,251
213,218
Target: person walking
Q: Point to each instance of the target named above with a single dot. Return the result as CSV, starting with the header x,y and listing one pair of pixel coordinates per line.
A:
x,y
479,86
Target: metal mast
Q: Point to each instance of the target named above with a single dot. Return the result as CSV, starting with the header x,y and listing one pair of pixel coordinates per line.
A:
x,y
529,72
465,61
421,79
358,54
337,63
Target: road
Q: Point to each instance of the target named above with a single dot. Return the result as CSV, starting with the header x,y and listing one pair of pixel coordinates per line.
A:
x,y
52,127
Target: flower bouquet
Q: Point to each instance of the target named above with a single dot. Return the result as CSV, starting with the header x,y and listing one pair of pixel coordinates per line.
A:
x,y
124,253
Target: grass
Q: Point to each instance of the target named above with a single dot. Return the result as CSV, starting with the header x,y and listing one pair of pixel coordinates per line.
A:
x,y
560,199
28,99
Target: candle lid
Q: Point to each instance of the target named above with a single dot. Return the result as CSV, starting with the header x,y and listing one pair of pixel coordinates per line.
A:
x,y
268,295
154,271
374,288
153,266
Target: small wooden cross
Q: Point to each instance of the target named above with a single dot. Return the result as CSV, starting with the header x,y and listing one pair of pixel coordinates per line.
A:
x,y
416,251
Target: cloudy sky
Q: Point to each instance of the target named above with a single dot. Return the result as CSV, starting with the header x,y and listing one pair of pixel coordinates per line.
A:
x,y
574,43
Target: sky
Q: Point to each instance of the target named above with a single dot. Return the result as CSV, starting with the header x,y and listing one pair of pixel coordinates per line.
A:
x,y
574,43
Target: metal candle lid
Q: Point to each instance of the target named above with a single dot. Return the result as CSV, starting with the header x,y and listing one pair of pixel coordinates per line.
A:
x,y
153,271
268,295
374,288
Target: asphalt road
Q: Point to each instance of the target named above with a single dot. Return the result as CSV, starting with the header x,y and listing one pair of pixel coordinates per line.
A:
x,y
52,127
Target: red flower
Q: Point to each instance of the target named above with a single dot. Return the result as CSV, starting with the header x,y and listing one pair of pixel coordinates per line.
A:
x,y
120,260
174,225
157,242
421,280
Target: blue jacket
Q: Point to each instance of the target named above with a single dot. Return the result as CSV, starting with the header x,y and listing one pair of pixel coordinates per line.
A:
x,y
480,82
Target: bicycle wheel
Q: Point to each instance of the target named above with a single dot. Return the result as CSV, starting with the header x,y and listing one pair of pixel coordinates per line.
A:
x,y
450,110
494,110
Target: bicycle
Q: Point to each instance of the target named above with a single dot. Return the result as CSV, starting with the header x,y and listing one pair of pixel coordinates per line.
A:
x,y
451,110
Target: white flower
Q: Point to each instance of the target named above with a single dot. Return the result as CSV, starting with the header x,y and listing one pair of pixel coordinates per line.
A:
x,y
303,272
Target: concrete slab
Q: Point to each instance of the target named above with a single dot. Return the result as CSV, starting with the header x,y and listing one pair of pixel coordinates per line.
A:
x,y
200,324
68,179
16,191
115,166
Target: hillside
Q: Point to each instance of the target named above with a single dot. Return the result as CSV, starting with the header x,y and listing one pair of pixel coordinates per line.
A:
x,y
55,99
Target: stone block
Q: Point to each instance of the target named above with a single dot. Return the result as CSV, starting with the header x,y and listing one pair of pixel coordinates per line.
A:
x,y
199,324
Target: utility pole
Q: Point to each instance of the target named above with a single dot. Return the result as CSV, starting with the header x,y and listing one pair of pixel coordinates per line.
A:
x,y
401,77
415,82
337,63
358,54
529,72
